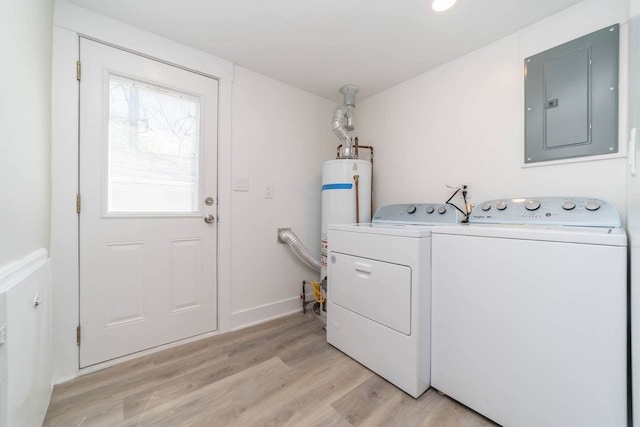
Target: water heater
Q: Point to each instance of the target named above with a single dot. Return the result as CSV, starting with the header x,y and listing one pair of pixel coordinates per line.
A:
x,y
346,197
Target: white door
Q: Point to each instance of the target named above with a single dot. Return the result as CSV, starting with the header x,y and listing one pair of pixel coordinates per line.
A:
x,y
148,146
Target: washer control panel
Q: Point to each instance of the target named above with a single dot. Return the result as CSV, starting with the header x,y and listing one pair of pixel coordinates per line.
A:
x,y
574,211
417,213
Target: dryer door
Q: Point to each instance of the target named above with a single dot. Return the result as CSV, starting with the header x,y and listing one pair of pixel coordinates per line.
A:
x,y
379,291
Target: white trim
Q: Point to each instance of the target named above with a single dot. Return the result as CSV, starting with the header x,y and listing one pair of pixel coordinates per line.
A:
x,y
110,31
12,273
64,187
224,205
263,313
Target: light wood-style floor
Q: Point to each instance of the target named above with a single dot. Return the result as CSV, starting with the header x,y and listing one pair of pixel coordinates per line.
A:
x,y
280,373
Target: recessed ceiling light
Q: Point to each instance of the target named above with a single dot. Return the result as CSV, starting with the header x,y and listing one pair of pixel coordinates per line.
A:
x,y
442,5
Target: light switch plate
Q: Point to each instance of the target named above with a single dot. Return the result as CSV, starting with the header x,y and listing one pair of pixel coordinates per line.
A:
x,y
240,183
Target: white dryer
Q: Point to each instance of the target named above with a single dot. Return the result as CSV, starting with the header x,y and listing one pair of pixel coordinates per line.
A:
x,y
379,291
529,312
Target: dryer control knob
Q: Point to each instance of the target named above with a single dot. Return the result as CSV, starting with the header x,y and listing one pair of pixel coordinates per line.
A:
x,y
442,210
592,205
501,206
568,205
411,209
532,205
485,206
430,210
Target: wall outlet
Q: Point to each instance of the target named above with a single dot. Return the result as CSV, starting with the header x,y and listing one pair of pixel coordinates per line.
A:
x,y
268,191
465,187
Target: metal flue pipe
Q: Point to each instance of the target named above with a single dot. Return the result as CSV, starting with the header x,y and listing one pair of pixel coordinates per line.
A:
x,y
342,121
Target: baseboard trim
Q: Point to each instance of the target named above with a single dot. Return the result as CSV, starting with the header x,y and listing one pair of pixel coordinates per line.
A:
x,y
264,313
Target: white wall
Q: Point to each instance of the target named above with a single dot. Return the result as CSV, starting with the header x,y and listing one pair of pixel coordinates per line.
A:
x,y
25,126
281,136
462,123
25,155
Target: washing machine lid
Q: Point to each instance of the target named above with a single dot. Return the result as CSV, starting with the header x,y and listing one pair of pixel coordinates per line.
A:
x,y
608,236
387,229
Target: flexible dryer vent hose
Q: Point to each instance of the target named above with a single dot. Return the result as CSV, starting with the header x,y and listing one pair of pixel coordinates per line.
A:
x,y
289,237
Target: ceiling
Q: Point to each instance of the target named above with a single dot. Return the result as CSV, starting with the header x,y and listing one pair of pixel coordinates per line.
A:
x,y
320,45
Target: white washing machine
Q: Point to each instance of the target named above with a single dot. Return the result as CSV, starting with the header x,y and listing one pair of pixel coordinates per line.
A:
x,y
379,291
529,312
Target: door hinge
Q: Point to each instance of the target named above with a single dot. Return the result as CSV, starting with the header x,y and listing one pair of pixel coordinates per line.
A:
x,y
78,203
78,335
78,70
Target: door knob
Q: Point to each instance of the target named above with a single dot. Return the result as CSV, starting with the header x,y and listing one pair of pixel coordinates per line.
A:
x,y
209,219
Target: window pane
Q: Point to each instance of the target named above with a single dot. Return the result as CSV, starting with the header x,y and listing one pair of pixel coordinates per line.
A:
x,y
153,149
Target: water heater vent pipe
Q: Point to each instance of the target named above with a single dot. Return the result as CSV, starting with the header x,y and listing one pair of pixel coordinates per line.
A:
x,y
342,121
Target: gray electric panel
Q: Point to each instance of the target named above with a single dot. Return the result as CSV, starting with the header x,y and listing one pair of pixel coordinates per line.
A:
x,y
571,98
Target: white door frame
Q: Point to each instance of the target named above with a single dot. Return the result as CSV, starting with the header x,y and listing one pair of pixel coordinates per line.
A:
x,y
70,22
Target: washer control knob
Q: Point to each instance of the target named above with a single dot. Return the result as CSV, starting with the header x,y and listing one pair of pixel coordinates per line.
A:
x,y
485,206
442,210
430,210
532,205
501,206
568,205
592,205
411,209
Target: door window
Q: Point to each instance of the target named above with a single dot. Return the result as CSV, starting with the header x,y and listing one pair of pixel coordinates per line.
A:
x,y
154,149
